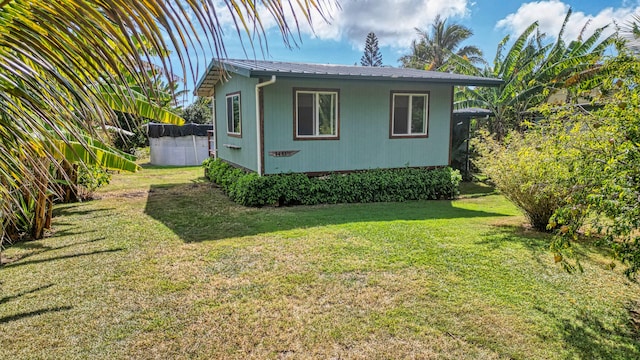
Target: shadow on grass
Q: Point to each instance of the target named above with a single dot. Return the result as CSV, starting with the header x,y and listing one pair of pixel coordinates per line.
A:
x,y
502,235
200,211
590,338
539,242
26,292
37,248
68,256
15,317
77,209
585,335
476,189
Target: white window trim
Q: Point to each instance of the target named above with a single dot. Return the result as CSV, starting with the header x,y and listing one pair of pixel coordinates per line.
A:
x,y
232,95
316,98
409,113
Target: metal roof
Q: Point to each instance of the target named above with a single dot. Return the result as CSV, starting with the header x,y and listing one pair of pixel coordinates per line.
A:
x,y
472,112
261,68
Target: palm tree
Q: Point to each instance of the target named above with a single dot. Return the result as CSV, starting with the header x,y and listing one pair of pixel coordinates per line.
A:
x,y
64,66
434,48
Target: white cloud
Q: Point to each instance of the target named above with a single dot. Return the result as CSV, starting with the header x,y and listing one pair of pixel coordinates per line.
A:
x,y
392,21
551,14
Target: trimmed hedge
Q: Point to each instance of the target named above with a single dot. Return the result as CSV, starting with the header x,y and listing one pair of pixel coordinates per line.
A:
x,y
379,185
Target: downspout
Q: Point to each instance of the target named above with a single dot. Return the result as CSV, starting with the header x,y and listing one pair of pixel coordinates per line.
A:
x,y
213,124
258,132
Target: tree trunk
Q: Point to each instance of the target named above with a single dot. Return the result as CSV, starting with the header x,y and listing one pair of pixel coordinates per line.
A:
x,y
47,222
40,211
69,190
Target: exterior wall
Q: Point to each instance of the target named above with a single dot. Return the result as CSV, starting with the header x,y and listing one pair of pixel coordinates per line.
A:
x,y
178,151
238,150
364,116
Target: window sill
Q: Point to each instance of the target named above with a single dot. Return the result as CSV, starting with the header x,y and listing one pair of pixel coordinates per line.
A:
x,y
421,136
316,138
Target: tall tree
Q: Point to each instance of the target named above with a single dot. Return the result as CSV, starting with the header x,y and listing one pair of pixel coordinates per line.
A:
x,y
57,89
434,48
372,56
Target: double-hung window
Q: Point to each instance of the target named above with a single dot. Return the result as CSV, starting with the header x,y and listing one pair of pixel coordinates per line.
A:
x,y
316,114
234,115
409,114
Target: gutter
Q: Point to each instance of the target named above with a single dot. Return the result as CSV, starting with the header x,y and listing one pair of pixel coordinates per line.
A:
x,y
258,128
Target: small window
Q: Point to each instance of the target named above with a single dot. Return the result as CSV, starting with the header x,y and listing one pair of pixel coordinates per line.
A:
x,y
410,115
234,116
316,114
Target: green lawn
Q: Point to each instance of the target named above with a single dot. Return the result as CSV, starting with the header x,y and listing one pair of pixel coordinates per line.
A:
x,y
164,266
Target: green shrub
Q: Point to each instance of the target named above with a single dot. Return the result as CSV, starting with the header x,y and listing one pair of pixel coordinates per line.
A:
x,y
377,185
90,178
535,171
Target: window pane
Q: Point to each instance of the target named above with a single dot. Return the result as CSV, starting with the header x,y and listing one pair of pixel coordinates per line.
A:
x,y
306,105
400,114
327,114
236,114
418,114
229,114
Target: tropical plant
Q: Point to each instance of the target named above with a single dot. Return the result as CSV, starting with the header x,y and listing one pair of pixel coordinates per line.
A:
x,y
64,67
371,56
434,48
533,71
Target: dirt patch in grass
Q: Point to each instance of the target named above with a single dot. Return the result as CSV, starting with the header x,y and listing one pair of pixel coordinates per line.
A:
x,y
122,194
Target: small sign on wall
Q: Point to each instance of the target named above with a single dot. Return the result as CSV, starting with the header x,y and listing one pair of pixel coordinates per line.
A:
x,y
283,153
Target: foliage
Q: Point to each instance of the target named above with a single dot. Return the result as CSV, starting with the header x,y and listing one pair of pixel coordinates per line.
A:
x,y
371,56
158,105
199,112
533,170
435,48
91,178
533,71
134,137
67,65
607,142
379,185
583,162
18,227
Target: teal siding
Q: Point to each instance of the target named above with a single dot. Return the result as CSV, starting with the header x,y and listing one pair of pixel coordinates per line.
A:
x,y
246,155
364,128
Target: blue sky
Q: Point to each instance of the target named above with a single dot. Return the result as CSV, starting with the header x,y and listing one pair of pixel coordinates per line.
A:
x,y
340,41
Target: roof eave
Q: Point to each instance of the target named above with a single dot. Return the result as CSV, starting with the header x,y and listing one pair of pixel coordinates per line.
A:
x,y
461,82
216,71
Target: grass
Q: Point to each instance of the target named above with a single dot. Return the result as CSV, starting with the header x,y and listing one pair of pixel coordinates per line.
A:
x,y
164,266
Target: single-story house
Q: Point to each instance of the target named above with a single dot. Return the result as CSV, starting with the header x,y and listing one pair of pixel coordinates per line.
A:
x,y
278,117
